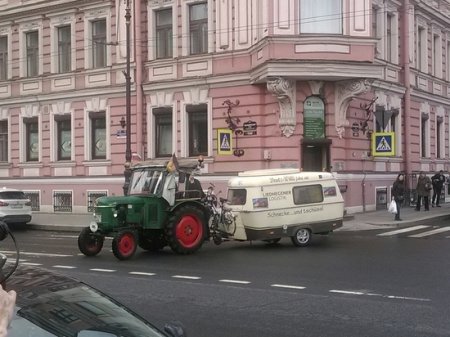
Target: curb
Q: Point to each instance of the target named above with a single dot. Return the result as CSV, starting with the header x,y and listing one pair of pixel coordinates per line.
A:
x,y
58,228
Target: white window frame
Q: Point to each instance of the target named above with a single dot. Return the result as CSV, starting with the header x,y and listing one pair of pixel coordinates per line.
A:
x,y
152,126
6,32
54,135
4,117
55,23
95,15
185,33
88,133
151,11
29,111
422,38
426,136
184,122
30,25
437,54
440,152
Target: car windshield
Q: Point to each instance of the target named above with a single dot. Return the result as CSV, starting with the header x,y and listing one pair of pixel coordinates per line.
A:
x,y
12,195
147,181
55,306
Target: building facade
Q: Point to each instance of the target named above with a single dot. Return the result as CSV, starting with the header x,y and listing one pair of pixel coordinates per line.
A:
x,y
247,84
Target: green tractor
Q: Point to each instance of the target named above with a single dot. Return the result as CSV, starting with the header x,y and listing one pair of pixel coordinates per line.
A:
x,y
153,214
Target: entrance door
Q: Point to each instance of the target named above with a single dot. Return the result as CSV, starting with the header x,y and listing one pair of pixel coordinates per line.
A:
x,y
315,157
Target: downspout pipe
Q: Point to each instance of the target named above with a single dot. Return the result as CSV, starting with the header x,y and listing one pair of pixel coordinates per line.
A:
x,y
407,83
138,45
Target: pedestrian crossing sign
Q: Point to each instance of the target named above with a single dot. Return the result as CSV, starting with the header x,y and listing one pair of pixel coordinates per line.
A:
x,y
224,141
383,144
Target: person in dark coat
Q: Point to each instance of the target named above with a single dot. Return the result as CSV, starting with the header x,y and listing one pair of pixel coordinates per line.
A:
x,y
438,181
423,189
398,193
194,185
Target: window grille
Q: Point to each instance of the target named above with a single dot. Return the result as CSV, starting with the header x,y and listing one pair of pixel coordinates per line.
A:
x,y
35,200
62,201
92,196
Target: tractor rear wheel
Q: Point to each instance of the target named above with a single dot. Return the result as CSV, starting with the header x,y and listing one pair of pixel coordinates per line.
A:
x,y
185,230
124,245
90,244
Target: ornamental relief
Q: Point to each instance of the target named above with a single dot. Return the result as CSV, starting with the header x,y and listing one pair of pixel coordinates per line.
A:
x,y
284,91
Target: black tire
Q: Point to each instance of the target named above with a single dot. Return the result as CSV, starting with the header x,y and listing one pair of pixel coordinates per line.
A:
x,y
124,245
185,230
152,242
302,237
272,241
90,244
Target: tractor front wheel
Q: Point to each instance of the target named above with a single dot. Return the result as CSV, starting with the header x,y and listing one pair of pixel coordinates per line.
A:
x,y
124,245
90,244
185,230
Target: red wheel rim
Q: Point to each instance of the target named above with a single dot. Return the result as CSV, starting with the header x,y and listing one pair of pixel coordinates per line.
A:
x,y
92,245
126,244
189,231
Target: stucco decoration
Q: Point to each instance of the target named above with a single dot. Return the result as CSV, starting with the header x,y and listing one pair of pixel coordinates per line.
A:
x,y
344,92
162,98
29,110
196,95
316,87
96,104
61,108
284,91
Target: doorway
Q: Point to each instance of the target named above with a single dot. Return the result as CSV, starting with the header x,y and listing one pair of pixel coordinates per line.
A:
x,y
315,156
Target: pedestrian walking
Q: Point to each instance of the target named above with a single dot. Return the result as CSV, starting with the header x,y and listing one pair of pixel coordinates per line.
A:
x,y
423,189
438,181
398,193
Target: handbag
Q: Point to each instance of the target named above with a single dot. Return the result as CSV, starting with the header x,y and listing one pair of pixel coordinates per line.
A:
x,y
392,207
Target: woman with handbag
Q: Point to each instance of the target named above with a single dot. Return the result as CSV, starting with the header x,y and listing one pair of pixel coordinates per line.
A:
x,y
423,189
398,193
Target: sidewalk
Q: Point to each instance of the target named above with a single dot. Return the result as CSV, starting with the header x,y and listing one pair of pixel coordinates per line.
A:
x,y
354,222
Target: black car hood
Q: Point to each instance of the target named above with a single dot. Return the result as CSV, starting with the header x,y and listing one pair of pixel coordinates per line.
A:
x,y
50,304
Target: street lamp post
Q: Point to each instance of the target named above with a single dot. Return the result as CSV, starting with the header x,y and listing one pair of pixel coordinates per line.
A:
x,y
127,171
128,85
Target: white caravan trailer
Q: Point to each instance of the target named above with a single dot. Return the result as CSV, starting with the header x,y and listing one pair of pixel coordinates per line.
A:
x,y
275,203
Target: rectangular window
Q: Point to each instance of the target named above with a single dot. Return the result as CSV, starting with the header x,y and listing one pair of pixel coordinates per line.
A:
x,y
198,28
439,137
164,43
448,61
163,132
32,139
423,136
421,49
3,58
198,129
307,194
99,43
321,17
98,136
64,139
389,38
437,56
3,141
64,49
32,53
374,22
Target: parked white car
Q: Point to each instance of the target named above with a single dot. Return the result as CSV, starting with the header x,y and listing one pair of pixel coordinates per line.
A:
x,y
15,207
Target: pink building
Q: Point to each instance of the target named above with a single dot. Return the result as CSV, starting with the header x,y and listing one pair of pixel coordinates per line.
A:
x,y
248,84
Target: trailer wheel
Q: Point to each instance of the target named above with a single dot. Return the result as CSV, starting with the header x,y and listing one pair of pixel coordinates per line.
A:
x,y
185,230
90,244
124,245
153,242
302,237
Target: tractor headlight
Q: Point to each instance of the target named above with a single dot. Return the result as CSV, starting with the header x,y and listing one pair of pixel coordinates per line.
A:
x,y
93,227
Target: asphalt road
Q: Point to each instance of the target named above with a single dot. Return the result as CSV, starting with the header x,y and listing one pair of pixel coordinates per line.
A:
x,y
369,283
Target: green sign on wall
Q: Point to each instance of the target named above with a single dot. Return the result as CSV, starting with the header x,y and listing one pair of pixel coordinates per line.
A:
x,y
314,118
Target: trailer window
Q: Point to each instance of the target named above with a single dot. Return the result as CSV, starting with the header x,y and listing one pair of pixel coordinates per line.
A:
x,y
237,196
307,194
